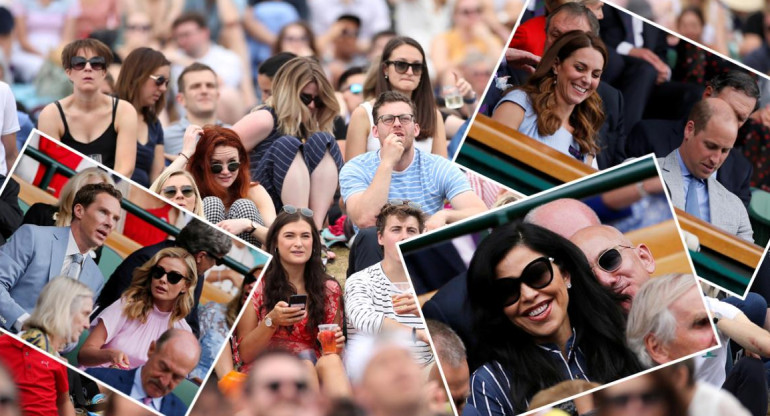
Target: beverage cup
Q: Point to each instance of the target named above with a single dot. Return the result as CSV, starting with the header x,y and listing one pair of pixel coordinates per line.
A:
x,y
327,333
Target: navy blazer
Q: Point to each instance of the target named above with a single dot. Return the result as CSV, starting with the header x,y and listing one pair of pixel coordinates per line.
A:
x,y
613,32
123,380
663,136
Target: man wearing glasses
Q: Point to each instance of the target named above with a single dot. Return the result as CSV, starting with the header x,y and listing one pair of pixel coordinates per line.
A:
x,y
400,171
278,383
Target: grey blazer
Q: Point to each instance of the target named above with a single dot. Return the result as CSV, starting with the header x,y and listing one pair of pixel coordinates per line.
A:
x,y
33,256
727,210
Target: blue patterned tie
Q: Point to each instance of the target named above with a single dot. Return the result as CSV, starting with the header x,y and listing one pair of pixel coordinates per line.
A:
x,y
692,205
75,267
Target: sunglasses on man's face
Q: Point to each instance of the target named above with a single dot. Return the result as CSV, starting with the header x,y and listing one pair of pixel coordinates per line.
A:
x,y
401,67
78,63
611,259
291,209
160,80
537,275
171,191
217,168
307,99
158,272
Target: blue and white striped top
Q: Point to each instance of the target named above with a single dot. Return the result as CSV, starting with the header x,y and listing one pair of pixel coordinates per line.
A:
x,y
428,181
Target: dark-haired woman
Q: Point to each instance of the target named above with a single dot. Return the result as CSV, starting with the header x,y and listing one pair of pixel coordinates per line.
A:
x,y
542,318
559,106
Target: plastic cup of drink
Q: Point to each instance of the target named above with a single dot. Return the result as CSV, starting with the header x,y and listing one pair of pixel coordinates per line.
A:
x,y
327,333
403,287
452,97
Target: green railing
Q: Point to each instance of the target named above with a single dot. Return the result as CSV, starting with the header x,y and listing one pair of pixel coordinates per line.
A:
x,y
53,167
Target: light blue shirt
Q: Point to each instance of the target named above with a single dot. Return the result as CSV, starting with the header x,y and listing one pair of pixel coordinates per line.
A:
x,y
702,188
138,393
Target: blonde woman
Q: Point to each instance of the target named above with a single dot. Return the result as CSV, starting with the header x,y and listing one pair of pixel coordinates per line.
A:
x,y
60,316
159,298
290,139
179,187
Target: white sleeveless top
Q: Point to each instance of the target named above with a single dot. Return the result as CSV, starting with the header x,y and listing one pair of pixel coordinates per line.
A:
x,y
373,143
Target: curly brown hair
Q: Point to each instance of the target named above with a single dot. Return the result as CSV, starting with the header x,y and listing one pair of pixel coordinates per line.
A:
x,y
588,116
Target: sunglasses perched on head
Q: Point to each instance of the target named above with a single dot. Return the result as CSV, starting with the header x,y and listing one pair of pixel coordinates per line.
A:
x,y
217,168
406,202
611,259
291,209
537,275
173,277
160,80
171,191
402,67
78,63
647,398
307,99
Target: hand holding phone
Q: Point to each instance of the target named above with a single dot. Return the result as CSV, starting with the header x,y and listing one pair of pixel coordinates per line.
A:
x,y
298,301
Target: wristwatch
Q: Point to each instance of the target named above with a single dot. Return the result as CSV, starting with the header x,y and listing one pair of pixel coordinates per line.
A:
x,y
268,322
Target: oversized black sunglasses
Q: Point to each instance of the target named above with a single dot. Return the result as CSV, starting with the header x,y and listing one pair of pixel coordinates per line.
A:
x,y
307,99
402,67
78,63
611,259
171,191
173,277
291,209
217,168
160,80
537,275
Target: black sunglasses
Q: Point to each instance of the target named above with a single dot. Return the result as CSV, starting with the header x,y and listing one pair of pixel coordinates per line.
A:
x,y
160,79
275,386
307,99
218,260
173,277
249,279
291,209
406,202
611,259
537,275
78,63
402,67
623,400
217,168
171,191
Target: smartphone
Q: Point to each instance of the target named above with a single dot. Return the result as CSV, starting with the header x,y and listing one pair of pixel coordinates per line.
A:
x,y
298,300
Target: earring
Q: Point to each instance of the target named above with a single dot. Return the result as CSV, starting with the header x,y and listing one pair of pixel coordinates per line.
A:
x,y
386,76
569,285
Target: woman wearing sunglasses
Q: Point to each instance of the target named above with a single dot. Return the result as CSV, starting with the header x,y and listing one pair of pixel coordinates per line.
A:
x,y
296,269
402,69
179,186
143,82
96,125
290,139
559,322
159,298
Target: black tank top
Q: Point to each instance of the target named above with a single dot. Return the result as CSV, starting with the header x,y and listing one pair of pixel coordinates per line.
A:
x,y
105,145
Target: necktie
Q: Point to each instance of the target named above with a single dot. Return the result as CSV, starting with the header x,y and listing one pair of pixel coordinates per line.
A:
x,y
75,267
147,401
692,205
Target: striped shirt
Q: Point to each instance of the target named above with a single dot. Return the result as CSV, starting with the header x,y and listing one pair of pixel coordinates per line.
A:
x,y
429,180
491,383
368,302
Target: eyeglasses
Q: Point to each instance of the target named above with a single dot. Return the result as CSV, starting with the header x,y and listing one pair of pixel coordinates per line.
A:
x,y
349,33
611,259
139,28
218,260
402,67
389,119
276,385
469,12
356,88
160,80
217,168
78,63
406,202
171,191
647,398
307,99
173,277
291,209
537,275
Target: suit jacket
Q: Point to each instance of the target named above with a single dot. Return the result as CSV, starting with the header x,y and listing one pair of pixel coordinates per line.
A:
x,y
33,256
727,210
123,380
664,136
613,32
10,213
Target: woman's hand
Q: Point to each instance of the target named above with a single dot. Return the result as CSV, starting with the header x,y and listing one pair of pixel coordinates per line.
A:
x,y
285,315
340,339
190,139
120,359
235,226
405,304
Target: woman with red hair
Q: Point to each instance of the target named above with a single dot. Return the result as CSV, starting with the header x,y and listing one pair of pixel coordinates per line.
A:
x,y
220,165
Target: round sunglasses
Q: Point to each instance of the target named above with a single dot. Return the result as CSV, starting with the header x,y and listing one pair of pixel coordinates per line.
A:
x,y
291,209
401,67
611,259
217,168
537,275
171,191
158,272
78,63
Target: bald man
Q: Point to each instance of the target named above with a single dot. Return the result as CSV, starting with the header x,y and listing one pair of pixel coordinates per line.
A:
x,y
616,263
563,216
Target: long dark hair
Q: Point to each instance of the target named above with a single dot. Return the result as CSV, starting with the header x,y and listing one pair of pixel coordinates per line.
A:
x,y
423,98
276,282
592,310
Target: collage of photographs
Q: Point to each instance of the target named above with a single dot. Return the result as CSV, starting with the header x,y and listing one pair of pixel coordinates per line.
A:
x,y
384,207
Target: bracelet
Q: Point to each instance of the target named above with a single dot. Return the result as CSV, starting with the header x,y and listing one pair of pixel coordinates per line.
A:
x,y
414,334
185,156
642,192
